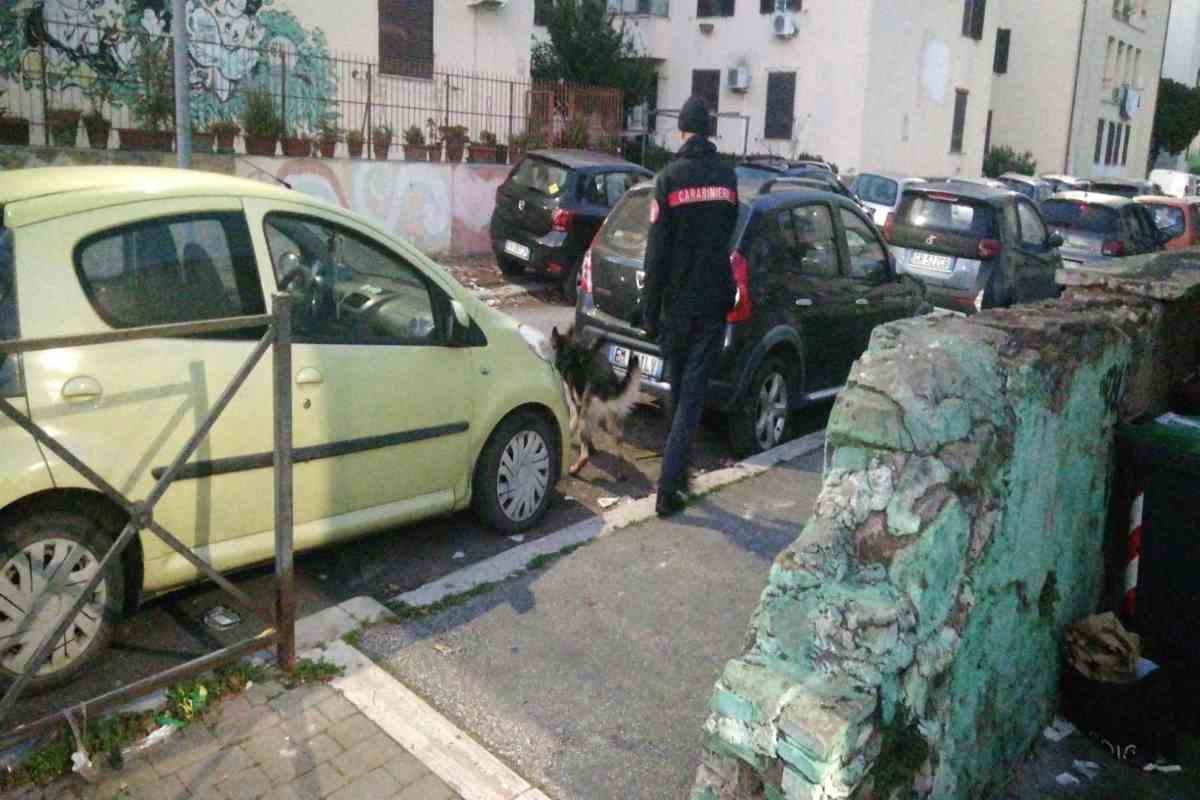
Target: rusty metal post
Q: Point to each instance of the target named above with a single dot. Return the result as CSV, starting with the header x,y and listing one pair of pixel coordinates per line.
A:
x,y
285,578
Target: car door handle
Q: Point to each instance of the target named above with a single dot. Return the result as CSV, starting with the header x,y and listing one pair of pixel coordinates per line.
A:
x,y
308,376
81,389
804,301
862,301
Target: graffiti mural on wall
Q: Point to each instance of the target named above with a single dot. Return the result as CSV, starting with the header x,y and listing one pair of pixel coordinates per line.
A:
x,y
94,45
442,209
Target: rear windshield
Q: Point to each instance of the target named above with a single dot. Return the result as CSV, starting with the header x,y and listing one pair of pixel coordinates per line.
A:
x,y
1119,189
1029,190
540,176
1167,218
876,189
628,225
745,173
959,216
1086,217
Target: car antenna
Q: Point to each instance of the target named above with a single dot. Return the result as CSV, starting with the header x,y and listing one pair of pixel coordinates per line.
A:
x,y
273,177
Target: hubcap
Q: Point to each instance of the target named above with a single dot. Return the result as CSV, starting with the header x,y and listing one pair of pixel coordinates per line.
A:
x,y
36,587
524,475
772,411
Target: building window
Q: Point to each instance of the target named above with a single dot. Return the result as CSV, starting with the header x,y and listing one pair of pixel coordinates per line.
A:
x,y
1108,146
781,105
960,120
406,38
714,8
771,6
542,11
973,14
1125,149
1137,68
1108,60
706,84
1099,141
1000,62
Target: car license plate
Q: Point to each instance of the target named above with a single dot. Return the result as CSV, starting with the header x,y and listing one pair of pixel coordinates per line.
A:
x,y
651,365
518,250
930,261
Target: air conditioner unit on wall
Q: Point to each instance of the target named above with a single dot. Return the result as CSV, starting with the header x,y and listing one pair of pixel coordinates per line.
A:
x,y
784,24
738,79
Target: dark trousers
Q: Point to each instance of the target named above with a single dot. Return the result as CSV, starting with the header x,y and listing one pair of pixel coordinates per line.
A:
x,y
691,347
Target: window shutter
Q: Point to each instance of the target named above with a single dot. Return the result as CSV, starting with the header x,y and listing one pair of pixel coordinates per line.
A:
x,y
406,37
960,120
766,7
706,84
781,104
1003,39
1125,150
977,15
968,16
1099,141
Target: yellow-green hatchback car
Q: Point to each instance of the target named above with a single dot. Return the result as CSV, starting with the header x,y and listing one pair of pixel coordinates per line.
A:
x,y
412,399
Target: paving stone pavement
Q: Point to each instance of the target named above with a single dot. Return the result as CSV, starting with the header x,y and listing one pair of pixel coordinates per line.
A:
x,y
308,743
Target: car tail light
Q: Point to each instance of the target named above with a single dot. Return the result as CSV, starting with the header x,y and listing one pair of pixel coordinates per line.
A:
x,y
1113,247
889,226
585,273
562,219
989,248
741,278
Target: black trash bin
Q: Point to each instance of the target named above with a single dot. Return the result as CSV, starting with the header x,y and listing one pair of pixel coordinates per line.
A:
x,y
1165,465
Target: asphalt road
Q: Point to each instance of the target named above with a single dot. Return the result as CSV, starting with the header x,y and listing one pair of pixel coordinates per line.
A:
x,y
171,630
593,675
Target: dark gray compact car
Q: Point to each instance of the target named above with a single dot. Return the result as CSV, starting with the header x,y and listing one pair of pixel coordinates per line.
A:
x,y
974,246
1099,226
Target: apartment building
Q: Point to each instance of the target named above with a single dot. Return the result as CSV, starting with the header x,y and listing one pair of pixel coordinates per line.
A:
x,y
1076,82
879,84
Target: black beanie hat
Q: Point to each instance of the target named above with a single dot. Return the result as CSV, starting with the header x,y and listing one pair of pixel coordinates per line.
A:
x,y
694,117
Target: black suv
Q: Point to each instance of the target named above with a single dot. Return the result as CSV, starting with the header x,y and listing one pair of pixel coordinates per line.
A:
x,y
814,278
974,246
550,206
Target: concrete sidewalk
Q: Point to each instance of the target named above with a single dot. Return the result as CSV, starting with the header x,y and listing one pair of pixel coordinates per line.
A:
x,y
591,674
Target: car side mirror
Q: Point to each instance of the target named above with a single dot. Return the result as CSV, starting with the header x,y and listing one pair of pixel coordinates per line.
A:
x,y
461,323
1054,240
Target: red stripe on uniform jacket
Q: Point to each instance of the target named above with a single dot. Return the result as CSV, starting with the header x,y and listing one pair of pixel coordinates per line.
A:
x,y
701,194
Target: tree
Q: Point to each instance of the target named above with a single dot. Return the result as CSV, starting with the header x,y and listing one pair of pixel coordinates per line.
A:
x,y
1002,159
1176,119
585,47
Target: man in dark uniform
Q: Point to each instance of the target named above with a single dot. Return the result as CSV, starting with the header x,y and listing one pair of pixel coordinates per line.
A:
x,y
689,285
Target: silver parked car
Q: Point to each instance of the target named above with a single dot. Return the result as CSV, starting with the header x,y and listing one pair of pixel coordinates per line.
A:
x,y
880,192
1066,183
1036,189
1097,226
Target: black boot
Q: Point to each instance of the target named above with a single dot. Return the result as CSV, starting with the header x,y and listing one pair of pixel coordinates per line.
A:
x,y
669,503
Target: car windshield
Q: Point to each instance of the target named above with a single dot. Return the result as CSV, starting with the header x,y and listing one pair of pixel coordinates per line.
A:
x,y
1167,218
628,225
540,176
876,189
956,215
1086,217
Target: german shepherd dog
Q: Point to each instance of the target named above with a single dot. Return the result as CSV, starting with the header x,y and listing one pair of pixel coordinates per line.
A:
x,y
602,398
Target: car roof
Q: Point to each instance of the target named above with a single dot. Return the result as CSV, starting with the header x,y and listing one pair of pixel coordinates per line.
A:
x,y
41,193
962,188
1017,176
1118,182
1093,198
1168,200
585,159
1062,177
892,176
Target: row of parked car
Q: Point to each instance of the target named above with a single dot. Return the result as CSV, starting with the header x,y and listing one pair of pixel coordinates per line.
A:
x,y
819,261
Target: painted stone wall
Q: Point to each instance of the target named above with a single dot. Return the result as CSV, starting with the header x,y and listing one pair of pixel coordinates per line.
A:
x,y
909,638
444,209
31,157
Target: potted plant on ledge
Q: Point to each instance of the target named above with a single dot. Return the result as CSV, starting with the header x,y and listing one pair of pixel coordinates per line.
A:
x,y
455,138
260,123
14,129
354,143
64,125
154,106
328,134
297,145
202,140
381,141
224,130
414,144
483,151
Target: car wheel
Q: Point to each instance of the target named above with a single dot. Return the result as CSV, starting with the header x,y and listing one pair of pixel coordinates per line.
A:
x,y
570,283
31,554
516,473
764,419
509,266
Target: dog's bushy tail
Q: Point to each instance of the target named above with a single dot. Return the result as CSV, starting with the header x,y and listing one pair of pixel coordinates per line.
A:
x,y
622,404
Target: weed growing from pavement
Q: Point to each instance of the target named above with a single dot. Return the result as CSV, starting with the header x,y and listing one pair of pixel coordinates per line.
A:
x,y
354,637
187,703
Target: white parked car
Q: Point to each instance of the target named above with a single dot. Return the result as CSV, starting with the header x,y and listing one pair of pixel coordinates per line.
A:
x,y
880,193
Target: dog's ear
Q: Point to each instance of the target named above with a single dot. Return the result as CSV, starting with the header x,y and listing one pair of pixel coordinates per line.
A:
x,y
555,337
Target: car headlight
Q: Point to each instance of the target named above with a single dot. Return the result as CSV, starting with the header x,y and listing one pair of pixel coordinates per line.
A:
x,y
537,342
